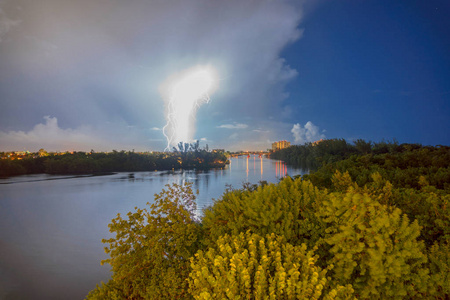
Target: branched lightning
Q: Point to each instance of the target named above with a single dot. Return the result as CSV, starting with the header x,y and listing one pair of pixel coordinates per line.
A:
x,y
185,95
172,121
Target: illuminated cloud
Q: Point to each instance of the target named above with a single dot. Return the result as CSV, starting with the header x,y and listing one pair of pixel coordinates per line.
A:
x,y
52,137
309,133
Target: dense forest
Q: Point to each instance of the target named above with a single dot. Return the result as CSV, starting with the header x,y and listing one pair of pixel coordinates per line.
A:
x,y
372,222
186,156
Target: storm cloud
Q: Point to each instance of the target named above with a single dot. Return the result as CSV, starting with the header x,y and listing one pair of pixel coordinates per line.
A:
x,y
98,64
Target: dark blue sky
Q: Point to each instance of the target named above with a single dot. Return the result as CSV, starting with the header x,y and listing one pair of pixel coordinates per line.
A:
x,y
374,70
87,74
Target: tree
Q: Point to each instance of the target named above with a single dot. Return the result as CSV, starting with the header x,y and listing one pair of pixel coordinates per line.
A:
x,y
346,229
248,266
42,152
11,167
439,257
286,209
363,147
150,252
373,247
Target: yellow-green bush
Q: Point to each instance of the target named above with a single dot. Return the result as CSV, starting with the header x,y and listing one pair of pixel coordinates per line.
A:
x,y
286,209
150,253
373,247
248,266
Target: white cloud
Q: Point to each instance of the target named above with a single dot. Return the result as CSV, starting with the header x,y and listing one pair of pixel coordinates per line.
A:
x,y
309,133
155,129
233,126
51,137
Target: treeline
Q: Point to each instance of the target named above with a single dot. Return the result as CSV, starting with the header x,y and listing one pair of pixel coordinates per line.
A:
x,y
313,155
90,163
407,166
355,229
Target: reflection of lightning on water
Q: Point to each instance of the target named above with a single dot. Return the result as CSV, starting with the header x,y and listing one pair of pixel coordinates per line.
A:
x,y
184,95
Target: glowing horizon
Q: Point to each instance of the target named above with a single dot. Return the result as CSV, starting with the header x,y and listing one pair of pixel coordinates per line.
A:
x,y
184,93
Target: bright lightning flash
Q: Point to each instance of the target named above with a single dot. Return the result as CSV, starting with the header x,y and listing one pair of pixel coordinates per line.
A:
x,y
185,93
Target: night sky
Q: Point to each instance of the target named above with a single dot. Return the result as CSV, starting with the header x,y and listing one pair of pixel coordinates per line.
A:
x,y
87,74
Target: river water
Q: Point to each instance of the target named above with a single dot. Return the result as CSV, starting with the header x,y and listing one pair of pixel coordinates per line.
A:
x,y
51,226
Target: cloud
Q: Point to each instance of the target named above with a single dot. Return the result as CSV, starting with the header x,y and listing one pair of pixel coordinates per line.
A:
x,y
233,136
88,73
52,137
6,23
233,126
155,128
309,133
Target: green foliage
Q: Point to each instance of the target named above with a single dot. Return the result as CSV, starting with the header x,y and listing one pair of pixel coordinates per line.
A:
x,y
248,266
313,155
403,168
11,167
373,247
363,147
89,163
341,232
439,257
112,290
429,206
150,252
342,182
285,209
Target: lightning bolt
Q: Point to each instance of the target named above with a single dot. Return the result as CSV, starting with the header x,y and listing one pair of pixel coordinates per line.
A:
x,y
186,93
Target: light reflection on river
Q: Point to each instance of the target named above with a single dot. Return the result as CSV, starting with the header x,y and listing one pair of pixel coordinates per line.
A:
x,y
51,226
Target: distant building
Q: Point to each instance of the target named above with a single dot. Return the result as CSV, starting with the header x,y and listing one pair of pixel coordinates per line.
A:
x,y
22,153
280,145
317,142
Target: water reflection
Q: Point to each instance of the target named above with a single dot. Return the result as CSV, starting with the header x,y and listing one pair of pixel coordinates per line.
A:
x,y
52,226
260,158
280,169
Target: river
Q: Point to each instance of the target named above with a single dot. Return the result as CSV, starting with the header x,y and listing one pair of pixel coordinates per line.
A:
x,y
51,226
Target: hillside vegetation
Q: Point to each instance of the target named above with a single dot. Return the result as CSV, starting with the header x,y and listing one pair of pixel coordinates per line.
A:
x,y
369,225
